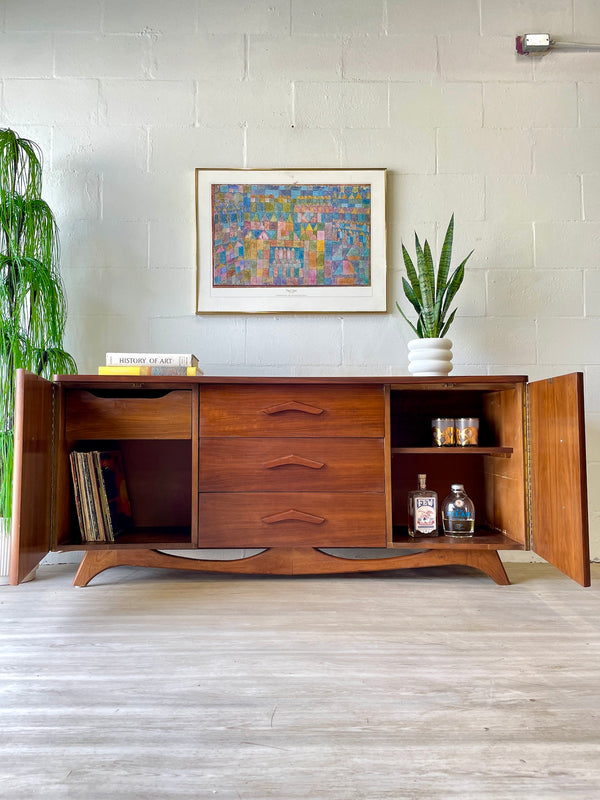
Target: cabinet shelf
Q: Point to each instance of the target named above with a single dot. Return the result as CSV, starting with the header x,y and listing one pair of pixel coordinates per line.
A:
x,y
502,452
159,538
484,539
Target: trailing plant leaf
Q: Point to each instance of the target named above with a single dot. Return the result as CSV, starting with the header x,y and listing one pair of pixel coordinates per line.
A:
x,y
32,300
431,295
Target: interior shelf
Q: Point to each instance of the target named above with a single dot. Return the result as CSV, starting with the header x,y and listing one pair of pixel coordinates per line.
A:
x,y
158,538
483,539
503,452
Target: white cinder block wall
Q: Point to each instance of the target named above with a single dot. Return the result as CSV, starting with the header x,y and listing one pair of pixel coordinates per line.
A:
x,y
127,98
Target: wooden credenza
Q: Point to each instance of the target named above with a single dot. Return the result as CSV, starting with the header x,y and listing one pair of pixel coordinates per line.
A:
x,y
295,468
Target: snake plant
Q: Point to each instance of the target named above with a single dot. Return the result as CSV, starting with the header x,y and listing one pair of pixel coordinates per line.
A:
x,y
32,300
431,297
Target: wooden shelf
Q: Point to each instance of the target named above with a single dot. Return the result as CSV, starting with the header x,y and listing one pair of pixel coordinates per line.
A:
x,y
503,452
484,539
157,538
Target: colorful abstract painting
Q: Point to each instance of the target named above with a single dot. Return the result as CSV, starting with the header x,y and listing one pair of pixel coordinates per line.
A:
x,y
287,235
290,240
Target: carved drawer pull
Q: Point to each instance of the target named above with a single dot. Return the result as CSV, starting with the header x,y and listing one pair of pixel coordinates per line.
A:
x,y
293,513
292,459
293,405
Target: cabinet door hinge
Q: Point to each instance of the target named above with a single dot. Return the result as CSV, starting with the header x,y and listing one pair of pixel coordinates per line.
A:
x,y
528,471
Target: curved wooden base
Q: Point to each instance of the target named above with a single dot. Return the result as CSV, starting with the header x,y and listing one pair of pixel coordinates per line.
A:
x,y
290,561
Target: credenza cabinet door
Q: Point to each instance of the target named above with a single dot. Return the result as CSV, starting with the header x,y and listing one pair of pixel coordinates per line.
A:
x,y
559,519
32,484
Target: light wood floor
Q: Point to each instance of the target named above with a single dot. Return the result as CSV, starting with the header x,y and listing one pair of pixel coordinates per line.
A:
x,y
418,684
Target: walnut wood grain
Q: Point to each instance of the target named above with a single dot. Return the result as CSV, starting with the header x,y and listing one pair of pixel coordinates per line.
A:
x,y
237,519
33,462
253,465
238,410
166,416
290,561
558,475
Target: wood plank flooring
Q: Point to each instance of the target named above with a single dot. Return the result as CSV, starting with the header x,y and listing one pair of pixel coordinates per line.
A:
x,y
428,683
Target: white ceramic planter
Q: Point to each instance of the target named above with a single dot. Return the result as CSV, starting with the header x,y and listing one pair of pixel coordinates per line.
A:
x,y
429,357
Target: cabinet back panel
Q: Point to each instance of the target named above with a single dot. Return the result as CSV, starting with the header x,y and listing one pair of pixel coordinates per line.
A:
x,y
159,479
441,471
412,412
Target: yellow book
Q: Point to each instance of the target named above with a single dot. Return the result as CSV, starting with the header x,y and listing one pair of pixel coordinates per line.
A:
x,y
164,371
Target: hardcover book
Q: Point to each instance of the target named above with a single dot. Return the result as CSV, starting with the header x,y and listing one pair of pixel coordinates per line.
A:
x,y
151,360
146,370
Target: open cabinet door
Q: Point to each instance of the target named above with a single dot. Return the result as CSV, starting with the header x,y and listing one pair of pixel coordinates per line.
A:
x,y
32,484
557,466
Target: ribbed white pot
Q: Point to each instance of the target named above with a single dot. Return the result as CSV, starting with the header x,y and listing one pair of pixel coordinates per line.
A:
x,y
5,539
430,357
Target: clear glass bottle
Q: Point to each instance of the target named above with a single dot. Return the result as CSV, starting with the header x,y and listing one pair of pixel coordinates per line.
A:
x,y
422,510
458,513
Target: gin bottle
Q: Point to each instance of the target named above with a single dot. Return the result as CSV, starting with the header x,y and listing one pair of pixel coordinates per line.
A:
x,y
422,510
458,513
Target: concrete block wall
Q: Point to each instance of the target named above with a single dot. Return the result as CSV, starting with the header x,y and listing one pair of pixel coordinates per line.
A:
x,y
127,98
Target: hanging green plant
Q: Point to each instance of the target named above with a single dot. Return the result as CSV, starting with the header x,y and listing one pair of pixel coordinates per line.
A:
x,y
32,299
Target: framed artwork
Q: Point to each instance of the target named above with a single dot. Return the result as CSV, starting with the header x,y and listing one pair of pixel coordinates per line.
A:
x,y
301,240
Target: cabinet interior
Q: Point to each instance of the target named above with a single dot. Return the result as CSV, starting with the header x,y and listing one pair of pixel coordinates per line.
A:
x,y
159,471
157,431
493,473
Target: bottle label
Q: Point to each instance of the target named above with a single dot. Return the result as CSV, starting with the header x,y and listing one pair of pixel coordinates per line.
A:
x,y
425,514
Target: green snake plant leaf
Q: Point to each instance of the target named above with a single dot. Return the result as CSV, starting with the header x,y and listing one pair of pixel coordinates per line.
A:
x,y
444,330
411,296
407,319
427,286
454,285
445,257
412,274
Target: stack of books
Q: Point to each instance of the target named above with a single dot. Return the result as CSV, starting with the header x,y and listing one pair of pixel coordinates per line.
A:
x,y
101,496
167,364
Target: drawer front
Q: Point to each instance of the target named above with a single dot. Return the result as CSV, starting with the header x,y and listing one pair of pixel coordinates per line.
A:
x,y
292,410
294,464
317,519
111,416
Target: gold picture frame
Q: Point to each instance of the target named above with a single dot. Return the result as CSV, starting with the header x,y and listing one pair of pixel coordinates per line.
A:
x,y
291,241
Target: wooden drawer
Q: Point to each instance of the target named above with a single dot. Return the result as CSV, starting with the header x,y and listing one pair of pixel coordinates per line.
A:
x,y
317,519
292,410
122,415
285,465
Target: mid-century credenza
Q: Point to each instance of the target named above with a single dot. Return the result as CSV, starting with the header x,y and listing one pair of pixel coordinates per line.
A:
x,y
298,467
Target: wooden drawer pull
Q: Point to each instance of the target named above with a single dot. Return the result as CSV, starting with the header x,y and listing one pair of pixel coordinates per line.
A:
x,y
293,405
299,461
294,514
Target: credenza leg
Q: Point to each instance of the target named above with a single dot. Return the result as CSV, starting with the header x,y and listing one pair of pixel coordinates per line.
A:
x,y
290,561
